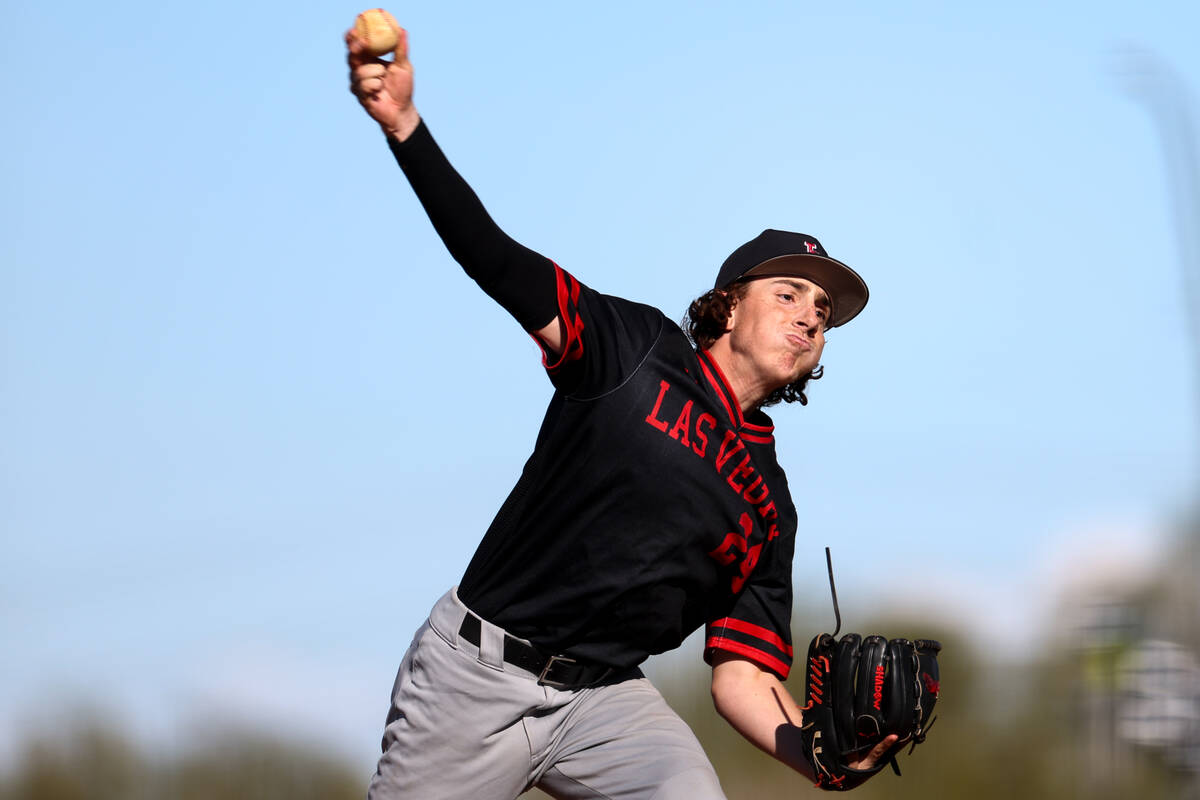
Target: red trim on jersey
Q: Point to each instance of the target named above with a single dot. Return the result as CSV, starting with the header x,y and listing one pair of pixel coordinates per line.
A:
x,y
755,434
757,631
754,654
763,430
720,384
568,311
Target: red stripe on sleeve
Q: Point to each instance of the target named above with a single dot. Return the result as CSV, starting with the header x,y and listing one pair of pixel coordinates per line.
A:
x,y
757,631
568,311
754,654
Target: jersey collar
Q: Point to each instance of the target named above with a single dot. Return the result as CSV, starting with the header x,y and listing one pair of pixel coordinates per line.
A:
x,y
756,431
720,385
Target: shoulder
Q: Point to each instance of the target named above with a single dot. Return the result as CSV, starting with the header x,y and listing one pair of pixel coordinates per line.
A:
x,y
608,337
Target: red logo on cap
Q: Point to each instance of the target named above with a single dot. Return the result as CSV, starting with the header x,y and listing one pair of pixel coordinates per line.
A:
x,y
812,248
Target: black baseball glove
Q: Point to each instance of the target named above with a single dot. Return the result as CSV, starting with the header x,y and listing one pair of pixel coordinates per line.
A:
x,y
859,691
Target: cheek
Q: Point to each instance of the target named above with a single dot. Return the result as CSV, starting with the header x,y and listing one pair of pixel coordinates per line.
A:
x,y
816,355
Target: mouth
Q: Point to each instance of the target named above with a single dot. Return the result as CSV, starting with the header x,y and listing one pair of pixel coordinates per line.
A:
x,y
801,342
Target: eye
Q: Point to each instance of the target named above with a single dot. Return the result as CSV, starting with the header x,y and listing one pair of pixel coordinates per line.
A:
x,y
787,296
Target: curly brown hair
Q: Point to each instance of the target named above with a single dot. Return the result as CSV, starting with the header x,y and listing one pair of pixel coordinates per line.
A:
x,y
708,320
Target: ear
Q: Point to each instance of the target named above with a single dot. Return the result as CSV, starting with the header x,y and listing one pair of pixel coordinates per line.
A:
x,y
733,307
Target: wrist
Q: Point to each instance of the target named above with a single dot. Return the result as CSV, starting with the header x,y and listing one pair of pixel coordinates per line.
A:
x,y
403,126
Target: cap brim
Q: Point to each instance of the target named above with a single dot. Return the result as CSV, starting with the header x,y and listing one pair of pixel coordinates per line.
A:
x,y
847,291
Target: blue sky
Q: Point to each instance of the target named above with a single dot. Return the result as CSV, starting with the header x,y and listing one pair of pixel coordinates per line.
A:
x,y
254,419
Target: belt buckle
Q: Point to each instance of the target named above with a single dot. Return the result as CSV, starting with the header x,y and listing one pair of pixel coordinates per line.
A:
x,y
543,680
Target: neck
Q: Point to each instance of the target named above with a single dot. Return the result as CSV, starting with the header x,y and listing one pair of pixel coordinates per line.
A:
x,y
745,381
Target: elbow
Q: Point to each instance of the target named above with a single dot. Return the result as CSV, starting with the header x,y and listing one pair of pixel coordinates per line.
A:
x,y
731,681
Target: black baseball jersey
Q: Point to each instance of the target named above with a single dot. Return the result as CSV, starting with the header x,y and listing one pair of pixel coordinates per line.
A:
x,y
649,507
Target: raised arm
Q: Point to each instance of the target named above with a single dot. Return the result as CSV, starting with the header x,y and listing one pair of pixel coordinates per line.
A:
x,y
518,278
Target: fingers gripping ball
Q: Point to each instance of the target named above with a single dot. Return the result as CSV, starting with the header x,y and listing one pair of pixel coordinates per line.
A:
x,y
860,690
378,30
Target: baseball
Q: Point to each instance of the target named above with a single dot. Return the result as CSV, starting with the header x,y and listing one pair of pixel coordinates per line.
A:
x,y
378,29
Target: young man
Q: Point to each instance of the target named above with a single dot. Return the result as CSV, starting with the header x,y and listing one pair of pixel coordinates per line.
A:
x,y
652,505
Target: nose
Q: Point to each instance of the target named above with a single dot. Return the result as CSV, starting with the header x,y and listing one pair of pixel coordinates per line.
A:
x,y
808,319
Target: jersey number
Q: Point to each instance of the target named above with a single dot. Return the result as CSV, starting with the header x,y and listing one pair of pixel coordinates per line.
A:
x,y
735,547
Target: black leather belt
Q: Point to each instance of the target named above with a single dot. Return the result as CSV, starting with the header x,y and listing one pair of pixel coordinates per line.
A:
x,y
558,671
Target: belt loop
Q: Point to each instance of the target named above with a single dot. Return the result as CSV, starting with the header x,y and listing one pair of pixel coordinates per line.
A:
x,y
491,645
447,616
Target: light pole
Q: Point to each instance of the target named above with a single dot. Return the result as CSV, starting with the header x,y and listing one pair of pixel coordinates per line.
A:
x,y
1166,96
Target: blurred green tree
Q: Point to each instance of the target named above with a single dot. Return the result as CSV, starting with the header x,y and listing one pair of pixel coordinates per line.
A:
x,y
95,762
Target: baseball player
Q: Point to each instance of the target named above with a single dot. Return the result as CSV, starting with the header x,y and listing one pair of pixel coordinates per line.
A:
x,y
652,505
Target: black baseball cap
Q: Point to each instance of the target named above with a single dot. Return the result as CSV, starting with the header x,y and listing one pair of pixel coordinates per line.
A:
x,y
774,253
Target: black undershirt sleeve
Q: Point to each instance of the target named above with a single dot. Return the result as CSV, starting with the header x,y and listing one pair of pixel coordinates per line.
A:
x,y
520,280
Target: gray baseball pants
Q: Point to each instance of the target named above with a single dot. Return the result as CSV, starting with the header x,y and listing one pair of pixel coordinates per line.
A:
x,y
464,724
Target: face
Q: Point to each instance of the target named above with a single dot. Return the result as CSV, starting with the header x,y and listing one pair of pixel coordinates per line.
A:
x,y
778,328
